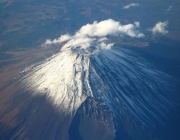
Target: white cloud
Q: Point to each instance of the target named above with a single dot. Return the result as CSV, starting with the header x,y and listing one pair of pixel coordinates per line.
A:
x,y
160,28
59,40
131,5
137,23
102,39
96,33
170,7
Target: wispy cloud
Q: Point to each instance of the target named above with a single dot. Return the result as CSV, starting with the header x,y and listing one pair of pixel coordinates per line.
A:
x,y
96,33
160,28
170,7
131,5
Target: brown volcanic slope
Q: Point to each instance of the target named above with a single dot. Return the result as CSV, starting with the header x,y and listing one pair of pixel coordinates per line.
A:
x,y
10,68
91,122
23,116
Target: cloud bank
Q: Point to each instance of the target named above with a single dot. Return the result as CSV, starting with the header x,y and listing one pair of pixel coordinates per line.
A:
x,y
131,5
160,28
95,34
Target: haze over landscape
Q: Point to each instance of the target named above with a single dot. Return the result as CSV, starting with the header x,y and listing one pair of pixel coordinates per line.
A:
x,y
89,70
